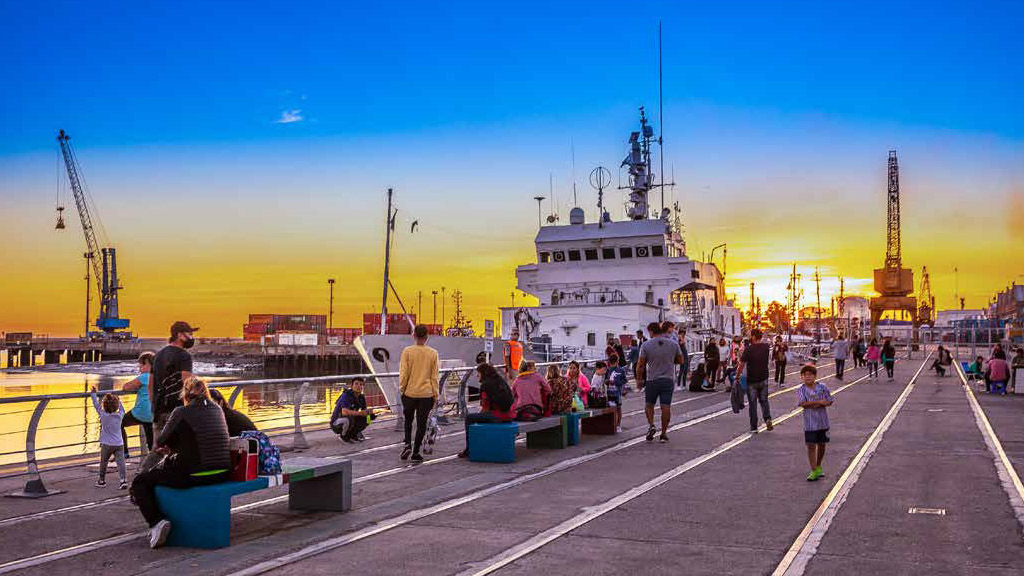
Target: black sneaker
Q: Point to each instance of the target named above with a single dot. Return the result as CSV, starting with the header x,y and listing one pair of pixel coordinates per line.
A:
x,y
360,437
123,486
650,433
406,452
346,440
101,483
464,453
663,438
417,457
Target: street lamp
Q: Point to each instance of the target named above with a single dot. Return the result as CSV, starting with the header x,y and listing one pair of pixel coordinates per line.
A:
x,y
434,293
330,306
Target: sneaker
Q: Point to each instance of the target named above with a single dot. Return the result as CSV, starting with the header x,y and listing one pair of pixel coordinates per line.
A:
x,y
101,483
346,440
650,433
158,534
123,485
663,438
753,430
813,476
464,453
360,437
417,457
406,452
768,425
821,474
618,429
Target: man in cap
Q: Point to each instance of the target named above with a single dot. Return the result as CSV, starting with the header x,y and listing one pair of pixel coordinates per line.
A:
x,y
172,365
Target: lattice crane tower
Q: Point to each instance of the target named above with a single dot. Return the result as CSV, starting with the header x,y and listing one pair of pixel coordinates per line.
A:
x,y
894,283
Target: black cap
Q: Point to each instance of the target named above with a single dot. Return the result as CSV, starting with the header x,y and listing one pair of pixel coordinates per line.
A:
x,y
180,327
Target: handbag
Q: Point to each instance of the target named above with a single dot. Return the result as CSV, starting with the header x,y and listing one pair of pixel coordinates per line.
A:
x,y
577,403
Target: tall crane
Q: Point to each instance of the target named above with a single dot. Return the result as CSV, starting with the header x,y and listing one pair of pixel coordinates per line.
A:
x,y
103,259
894,283
926,301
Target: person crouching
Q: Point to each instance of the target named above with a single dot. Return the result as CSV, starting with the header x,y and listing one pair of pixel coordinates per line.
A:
x,y
350,416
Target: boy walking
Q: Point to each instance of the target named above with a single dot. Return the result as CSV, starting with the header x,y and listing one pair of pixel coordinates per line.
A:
x,y
814,397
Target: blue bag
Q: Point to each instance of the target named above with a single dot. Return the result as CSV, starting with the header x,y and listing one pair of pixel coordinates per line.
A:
x,y
269,455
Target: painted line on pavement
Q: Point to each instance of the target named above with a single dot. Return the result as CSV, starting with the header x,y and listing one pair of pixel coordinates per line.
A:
x,y
414,515
593,512
1007,474
806,544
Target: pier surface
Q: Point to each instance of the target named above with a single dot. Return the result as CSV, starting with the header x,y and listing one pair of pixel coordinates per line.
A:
x,y
922,477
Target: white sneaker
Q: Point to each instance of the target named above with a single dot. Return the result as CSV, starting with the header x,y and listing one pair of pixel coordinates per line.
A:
x,y
158,534
618,429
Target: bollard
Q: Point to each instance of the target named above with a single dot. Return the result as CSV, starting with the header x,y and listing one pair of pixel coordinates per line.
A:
x,y
34,488
299,441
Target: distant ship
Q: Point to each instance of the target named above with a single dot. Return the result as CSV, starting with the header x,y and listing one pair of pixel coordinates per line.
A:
x,y
604,280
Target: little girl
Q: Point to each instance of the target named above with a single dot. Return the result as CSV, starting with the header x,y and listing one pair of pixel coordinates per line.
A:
x,y
110,412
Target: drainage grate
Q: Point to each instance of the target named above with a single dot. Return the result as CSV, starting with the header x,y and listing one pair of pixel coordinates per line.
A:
x,y
932,511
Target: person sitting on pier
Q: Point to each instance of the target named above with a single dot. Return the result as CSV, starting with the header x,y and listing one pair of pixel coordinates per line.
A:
x,y
496,401
997,374
237,422
142,413
531,393
942,362
579,379
350,416
562,391
196,451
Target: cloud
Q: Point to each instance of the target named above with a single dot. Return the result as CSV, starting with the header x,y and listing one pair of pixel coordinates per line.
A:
x,y
290,116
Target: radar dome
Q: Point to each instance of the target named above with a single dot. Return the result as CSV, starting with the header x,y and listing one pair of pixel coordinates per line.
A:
x,y
577,216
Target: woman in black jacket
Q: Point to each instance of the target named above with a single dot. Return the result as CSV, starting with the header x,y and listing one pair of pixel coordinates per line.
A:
x,y
495,401
712,358
196,450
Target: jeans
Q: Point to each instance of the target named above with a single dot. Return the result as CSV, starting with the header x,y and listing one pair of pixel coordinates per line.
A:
x,y
840,365
684,370
780,372
418,408
350,426
873,369
117,452
130,420
165,473
758,392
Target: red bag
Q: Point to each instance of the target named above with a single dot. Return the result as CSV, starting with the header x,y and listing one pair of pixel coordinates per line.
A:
x,y
244,459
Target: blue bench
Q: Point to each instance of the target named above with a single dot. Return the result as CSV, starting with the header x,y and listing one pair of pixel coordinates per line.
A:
x,y
496,442
201,516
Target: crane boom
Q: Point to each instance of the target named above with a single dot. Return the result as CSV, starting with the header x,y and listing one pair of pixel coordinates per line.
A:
x,y
92,246
103,259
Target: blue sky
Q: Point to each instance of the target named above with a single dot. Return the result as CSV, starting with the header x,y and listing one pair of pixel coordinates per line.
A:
x,y
272,130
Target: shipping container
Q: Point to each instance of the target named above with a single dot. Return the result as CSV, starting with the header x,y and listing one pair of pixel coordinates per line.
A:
x,y
261,318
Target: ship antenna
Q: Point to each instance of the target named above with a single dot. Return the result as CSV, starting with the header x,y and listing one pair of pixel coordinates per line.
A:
x,y
572,152
661,123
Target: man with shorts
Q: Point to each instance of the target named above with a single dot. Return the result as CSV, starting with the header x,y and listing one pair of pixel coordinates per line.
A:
x,y
655,373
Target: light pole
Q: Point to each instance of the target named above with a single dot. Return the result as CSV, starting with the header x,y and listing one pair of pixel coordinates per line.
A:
x,y
539,199
330,307
442,308
434,292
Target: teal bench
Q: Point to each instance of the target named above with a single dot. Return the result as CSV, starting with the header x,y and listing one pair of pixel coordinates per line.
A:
x,y
496,442
201,516
590,421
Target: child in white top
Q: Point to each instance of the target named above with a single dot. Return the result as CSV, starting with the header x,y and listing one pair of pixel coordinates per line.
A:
x,y
110,412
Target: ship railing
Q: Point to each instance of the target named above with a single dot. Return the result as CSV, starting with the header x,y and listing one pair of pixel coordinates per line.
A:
x,y
454,387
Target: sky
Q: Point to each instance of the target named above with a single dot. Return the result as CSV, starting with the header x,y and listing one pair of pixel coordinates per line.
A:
x,y
238,154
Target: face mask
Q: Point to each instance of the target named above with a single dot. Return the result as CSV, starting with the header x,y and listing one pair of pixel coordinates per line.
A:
x,y
188,343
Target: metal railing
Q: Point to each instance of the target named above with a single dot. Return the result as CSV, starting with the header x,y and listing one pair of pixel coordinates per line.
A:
x,y
35,488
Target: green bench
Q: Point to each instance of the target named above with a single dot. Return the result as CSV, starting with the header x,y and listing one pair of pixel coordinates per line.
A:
x,y
201,516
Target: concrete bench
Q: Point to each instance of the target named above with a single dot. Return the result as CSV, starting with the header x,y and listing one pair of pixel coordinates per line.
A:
x,y
590,421
201,516
496,442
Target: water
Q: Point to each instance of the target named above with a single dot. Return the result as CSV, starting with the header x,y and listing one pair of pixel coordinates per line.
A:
x,y
70,427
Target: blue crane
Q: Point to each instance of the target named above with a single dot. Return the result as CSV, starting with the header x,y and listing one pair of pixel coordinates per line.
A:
x,y
102,258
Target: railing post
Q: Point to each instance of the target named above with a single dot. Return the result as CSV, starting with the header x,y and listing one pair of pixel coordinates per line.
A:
x,y
234,396
442,397
299,441
462,407
34,488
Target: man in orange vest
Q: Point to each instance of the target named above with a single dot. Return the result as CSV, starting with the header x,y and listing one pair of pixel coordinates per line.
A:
x,y
513,355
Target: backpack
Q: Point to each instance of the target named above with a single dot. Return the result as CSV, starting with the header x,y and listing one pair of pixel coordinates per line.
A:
x,y
529,413
269,455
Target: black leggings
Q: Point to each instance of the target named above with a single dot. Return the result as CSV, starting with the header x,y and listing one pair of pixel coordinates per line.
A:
x,y
780,372
480,418
712,368
418,408
130,420
889,365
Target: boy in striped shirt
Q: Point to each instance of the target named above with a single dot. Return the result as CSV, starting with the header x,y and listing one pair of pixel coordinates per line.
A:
x,y
814,397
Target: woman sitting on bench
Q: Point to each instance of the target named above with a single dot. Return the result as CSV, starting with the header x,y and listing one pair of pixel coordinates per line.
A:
x,y
196,451
495,401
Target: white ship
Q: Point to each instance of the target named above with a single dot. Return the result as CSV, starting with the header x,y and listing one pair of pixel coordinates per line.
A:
x,y
604,280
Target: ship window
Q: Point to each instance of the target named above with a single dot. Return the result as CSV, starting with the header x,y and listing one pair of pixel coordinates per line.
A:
x,y
591,339
642,251
558,256
608,253
590,253
545,257
658,250
626,252
574,255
